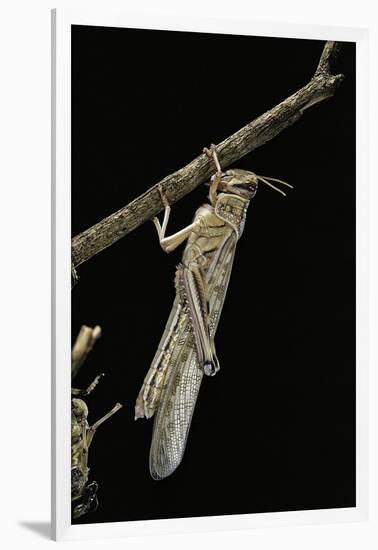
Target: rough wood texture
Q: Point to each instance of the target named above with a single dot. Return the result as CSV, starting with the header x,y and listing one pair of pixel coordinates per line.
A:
x,y
175,186
84,343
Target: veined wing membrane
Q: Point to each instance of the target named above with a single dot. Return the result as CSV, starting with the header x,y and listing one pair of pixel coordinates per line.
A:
x,y
179,394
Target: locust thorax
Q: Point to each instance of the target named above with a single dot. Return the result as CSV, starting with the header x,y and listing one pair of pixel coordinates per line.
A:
x,y
242,183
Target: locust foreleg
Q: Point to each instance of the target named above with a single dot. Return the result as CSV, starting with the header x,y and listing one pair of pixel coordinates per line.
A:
x,y
173,241
216,178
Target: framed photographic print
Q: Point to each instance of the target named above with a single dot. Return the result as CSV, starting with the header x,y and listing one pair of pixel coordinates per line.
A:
x,y
209,274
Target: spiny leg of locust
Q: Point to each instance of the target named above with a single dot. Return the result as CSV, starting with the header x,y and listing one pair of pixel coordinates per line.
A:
x,y
92,429
173,241
89,389
212,153
196,297
216,178
194,284
161,229
92,386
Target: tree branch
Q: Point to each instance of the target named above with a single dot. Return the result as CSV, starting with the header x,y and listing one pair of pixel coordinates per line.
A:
x,y
175,186
328,58
84,343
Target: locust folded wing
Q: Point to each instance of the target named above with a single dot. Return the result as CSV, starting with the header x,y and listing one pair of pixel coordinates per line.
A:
x,y
184,374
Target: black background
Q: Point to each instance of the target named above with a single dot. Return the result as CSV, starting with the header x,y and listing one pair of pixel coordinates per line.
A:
x,y
275,429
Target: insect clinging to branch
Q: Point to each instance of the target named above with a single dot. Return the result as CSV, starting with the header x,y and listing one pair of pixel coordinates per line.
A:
x,y
187,350
83,492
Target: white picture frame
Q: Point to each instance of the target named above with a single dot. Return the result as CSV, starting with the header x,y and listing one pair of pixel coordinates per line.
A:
x,y
61,275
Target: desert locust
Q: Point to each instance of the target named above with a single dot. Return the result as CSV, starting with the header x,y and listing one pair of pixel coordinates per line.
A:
x,y
186,351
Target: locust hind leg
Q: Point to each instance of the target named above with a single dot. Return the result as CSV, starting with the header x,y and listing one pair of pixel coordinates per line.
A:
x,y
192,286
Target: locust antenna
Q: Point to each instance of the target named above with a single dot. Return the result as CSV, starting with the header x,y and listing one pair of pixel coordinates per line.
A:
x,y
271,185
265,180
279,181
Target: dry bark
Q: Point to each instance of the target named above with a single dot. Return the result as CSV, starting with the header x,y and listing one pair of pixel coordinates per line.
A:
x,y
84,343
175,186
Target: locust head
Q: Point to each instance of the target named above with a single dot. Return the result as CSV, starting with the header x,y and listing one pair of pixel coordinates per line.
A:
x,y
240,182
